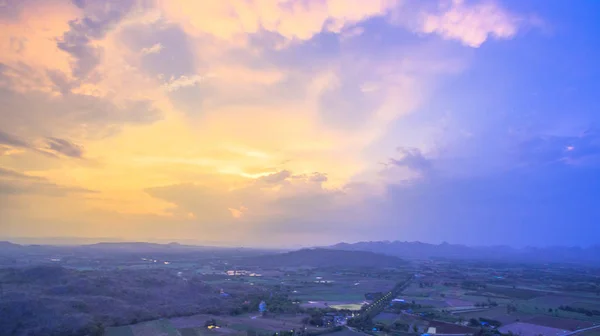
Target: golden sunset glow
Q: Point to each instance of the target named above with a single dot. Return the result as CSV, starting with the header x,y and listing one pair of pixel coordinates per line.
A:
x,y
219,121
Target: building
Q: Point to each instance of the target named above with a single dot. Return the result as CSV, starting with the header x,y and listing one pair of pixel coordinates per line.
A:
x,y
262,307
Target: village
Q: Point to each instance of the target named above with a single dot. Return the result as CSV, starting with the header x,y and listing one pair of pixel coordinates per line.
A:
x,y
420,298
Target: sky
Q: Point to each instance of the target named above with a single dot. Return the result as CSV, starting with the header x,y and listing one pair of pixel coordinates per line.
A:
x,y
301,122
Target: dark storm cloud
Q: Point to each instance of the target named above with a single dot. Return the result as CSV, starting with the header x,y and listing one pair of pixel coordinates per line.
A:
x,y
64,147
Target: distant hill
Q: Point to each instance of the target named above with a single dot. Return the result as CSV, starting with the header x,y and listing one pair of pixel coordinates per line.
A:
x,y
9,245
142,247
419,250
321,257
124,248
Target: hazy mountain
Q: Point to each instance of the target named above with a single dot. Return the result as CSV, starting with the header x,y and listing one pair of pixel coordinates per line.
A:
x,y
419,250
5,245
320,257
131,249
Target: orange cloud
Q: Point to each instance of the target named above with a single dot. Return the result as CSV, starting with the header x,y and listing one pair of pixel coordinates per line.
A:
x,y
291,19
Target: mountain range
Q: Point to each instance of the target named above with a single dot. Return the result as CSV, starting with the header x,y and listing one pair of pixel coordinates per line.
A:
x,y
419,250
321,257
376,249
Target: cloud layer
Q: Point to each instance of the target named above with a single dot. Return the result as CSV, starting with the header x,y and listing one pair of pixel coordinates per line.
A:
x,y
268,118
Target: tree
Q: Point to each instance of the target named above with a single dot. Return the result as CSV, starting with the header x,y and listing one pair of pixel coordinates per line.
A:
x,y
210,322
473,322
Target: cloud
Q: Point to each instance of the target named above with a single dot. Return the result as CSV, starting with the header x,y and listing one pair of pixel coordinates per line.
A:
x,y
582,149
413,159
184,81
471,23
9,173
64,147
154,49
13,182
263,116
177,56
76,116
237,213
7,139
100,17
269,203
318,177
276,177
293,19
541,207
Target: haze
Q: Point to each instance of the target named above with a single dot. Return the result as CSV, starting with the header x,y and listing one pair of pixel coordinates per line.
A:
x,y
284,123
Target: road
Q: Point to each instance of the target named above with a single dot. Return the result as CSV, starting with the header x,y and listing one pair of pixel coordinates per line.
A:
x,y
582,330
376,307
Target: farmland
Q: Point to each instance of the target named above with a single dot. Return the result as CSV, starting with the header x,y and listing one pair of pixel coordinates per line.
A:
x,y
178,293
528,329
243,322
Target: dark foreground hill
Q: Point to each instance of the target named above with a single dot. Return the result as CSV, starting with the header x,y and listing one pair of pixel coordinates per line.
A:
x,y
319,257
51,300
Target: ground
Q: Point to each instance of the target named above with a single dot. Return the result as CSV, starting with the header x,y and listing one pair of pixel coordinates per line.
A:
x,y
560,323
242,322
386,318
151,328
528,329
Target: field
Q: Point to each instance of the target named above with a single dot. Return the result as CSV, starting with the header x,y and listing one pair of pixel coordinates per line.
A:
x,y
348,332
513,293
591,305
450,328
527,329
151,328
430,302
560,323
553,301
498,314
594,332
542,306
341,289
452,302
386,318
242,322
